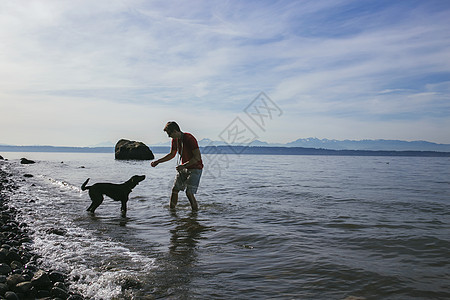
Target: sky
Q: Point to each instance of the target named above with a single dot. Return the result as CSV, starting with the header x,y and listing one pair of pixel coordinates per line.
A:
x,y
78,73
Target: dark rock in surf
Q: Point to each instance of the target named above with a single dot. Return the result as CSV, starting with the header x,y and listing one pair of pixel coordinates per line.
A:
x,y
1,157
59,293
57,231
56,276
41,280
26,161
60,285
126,149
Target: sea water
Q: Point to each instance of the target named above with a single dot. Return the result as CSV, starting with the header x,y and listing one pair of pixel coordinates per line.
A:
x,y
269,227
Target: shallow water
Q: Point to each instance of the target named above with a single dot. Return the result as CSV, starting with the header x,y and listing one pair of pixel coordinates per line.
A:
x,y
285,227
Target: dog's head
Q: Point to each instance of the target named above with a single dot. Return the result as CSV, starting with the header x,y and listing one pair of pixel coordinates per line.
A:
x,y
134,180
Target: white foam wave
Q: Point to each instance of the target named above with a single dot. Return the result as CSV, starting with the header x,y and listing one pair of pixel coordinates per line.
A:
x,y
99,266
64,184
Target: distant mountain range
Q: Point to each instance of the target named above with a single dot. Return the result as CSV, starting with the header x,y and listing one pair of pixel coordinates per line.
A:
x,y
365,145
392,145
372,145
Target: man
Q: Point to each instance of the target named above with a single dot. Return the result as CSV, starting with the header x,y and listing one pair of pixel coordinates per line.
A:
x,y
190,169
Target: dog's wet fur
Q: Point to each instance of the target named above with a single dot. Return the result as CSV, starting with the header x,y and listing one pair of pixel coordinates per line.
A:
x,y
117,192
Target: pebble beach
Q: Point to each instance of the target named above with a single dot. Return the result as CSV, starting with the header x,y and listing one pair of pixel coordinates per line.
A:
x,y
21,276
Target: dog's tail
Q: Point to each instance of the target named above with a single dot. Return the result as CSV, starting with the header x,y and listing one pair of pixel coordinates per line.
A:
x,y
83,186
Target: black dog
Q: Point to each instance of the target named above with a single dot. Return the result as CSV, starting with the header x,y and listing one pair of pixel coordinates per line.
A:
x,y
118,192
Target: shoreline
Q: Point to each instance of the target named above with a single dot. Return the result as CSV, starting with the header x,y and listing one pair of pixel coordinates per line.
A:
x,y
21,275
242,150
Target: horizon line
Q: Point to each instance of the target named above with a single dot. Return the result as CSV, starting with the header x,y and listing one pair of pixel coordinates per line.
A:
x,y
222,143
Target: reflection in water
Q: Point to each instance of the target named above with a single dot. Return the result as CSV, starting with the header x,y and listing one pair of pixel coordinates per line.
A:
x,y
185,236
182,256
178,268
121,221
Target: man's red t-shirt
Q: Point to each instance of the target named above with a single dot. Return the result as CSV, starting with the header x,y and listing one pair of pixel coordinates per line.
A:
x,y
185,146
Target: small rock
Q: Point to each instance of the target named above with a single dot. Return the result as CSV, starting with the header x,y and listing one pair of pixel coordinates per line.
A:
x,y
60,285
1,157
26,161
24,287
31,267
15,265
43,294
13,256
59,293
3,288
5,269
11,296
6,228
41,279
2,257
27,276
56,276
27,175
14,279
57,231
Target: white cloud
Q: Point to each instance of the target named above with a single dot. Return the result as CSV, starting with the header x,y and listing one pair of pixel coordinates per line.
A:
x,y
201,62
361,69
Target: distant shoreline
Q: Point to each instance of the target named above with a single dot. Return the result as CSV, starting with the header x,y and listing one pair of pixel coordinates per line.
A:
x,y
244,150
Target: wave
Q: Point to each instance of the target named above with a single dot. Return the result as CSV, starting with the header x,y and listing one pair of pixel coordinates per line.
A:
x,y
97,265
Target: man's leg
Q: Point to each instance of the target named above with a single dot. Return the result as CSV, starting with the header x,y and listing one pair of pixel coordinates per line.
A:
x,y
174,198
192,185
192,200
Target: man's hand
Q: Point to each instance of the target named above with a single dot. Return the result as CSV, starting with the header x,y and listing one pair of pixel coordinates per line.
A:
x,y
154,163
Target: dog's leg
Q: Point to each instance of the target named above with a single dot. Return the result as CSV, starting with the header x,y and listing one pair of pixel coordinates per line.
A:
x,y
123,208
97,199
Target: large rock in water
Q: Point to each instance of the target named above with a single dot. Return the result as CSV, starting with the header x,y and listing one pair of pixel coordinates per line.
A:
x,y
126,149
